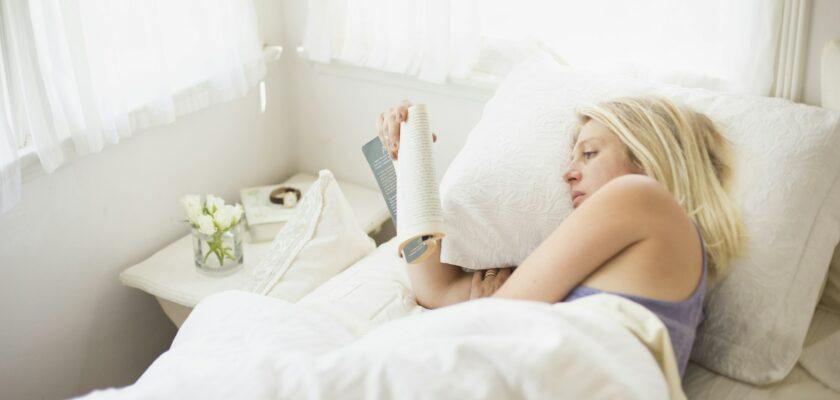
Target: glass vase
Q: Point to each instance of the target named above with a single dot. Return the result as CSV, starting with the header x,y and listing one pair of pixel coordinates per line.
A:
x,y
218,254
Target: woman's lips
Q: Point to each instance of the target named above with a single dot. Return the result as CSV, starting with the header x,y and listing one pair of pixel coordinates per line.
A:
x,y
575,196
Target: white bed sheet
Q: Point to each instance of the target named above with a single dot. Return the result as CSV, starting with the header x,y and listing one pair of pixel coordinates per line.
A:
x,y
377,289
237,344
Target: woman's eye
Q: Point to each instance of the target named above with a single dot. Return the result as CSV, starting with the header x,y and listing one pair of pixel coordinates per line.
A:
x,y
589,154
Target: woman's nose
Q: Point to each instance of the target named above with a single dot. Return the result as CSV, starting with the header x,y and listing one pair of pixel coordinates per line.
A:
x,y
572,175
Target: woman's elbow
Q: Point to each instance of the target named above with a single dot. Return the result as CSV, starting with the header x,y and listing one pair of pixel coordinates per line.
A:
x,y
429,300
441,296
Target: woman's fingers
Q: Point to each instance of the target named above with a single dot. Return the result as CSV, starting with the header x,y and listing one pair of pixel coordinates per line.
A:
x,y
490,273
434,138
388,127
380,130
475,286
403,109
393,134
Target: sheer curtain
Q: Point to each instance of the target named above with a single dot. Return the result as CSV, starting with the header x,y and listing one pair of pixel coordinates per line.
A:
x,y
717,44
96,71
430,39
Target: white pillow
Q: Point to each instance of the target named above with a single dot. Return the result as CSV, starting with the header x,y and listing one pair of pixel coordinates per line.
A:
x,y
319,241
504,193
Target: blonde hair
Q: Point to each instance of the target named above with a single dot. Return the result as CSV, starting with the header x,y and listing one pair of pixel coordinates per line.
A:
x,y
682,150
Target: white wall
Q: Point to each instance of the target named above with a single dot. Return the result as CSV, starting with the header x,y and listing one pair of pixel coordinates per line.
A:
x,y
333,112
67,325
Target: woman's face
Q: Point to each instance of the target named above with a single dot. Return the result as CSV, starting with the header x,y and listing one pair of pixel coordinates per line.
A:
x,y
597,157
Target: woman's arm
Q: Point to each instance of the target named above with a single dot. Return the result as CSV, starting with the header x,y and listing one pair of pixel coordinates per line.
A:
x,y
623,212
437,284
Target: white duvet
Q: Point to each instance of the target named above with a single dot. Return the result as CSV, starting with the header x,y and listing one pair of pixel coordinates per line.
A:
x,y
238,345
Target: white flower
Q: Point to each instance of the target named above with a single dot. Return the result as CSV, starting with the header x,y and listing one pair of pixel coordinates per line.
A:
x,y
237,213
224,217
214,203
192,204
205,225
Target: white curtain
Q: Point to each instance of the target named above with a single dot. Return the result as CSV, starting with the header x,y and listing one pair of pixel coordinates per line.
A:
x,y
717,44
792,43
430,39
96,71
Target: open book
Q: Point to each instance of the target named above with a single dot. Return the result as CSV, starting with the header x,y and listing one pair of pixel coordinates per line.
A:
x,y
409,186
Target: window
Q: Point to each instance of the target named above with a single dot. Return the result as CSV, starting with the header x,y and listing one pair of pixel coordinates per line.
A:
x,y
717,44
97,71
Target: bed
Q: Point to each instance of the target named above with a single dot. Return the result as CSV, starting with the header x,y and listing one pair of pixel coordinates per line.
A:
x,y
362,335
229,347
233,326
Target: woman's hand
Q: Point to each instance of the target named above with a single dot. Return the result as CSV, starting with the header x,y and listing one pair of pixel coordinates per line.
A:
x,y
485,283
388,127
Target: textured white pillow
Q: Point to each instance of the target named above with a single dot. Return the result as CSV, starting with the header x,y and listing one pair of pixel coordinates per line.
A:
x,y
319,241
504,193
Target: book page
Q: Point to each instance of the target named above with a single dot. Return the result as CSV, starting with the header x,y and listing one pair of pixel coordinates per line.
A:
x,y
418,199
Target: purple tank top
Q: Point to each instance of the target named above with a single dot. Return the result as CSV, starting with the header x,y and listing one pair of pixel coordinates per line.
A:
x,y
681,318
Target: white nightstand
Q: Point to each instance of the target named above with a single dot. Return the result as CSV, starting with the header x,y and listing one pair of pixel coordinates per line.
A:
x,y
171,276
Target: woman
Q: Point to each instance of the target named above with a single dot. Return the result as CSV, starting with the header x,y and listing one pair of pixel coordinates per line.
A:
x,y
648,184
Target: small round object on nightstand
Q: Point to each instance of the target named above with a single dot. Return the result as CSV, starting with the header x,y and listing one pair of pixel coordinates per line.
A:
x,y
285,196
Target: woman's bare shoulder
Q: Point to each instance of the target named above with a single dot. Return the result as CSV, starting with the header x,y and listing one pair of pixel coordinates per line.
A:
x,y
639,197
669,247
640,188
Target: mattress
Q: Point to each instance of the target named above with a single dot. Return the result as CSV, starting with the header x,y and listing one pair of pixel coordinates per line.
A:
x,y
700,383
377,289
